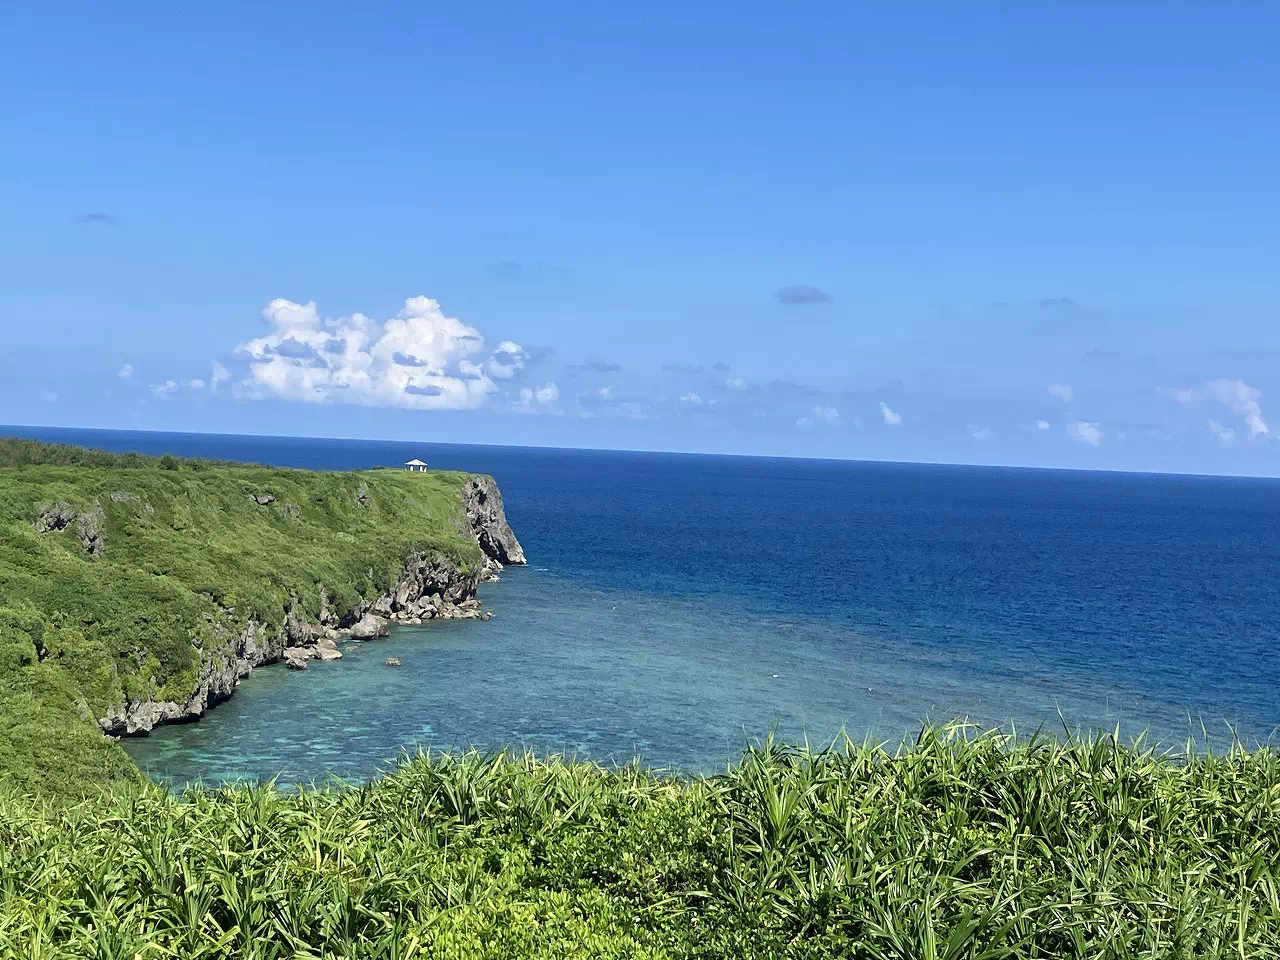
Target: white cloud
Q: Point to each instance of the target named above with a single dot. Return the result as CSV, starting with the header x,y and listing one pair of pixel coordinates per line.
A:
x,y
506,360
48,396
1225,435
602,403
1236,395
890,418
691,399
165,389
125,372
220,375
979,433
1042,425
736,383
419,359
1085,432
1062,392
196,384
543,399
819,416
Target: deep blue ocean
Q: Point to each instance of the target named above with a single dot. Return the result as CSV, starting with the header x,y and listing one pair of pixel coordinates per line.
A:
x,y
676,607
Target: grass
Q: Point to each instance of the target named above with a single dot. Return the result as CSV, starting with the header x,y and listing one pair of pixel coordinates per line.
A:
x,y
190,557
958,846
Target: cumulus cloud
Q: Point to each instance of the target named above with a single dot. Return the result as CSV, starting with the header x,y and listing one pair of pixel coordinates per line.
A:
x,y
125,372
890,418
691,399
819,417
720,367
220,375
165,389
801,295
1236,395
979,433
420,359
736,383
1042,425
1225,435
1085,432
48,396
543,399
1062,392
506,361
196,384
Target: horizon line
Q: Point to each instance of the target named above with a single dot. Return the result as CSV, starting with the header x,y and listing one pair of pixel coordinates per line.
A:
x,y
684,453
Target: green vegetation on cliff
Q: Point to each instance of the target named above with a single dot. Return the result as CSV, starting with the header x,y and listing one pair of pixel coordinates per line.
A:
x,y
117,571
950,848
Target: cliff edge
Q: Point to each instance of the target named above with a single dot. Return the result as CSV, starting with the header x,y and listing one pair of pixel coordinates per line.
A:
x,y
136,591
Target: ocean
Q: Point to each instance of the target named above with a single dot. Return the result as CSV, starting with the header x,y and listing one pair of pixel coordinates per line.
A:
x,y
677,607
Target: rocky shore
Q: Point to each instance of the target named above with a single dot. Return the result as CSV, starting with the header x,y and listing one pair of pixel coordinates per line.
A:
x,y
431,587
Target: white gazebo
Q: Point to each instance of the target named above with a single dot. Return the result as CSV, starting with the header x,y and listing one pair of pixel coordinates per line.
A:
x,y
415,464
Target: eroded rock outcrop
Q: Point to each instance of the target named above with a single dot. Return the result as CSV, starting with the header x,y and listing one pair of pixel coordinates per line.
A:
x,y
431,586
92,522
483,502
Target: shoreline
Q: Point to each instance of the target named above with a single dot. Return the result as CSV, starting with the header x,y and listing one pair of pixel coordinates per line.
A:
x,y
431,587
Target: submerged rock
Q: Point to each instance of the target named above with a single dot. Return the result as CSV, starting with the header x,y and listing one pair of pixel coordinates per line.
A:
x,y
392,662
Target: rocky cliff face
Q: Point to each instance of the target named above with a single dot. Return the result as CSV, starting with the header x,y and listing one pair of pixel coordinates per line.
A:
x,y
432,586
483,502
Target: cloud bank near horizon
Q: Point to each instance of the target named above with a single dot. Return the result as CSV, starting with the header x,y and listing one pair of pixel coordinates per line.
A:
x,y
419,359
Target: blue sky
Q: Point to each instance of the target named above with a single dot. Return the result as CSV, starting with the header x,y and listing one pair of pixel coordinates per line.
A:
x,y
985,233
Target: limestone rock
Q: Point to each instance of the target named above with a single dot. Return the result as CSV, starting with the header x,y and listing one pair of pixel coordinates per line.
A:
x,y
92,530
298,632
483,502
431,586
54,516
368,627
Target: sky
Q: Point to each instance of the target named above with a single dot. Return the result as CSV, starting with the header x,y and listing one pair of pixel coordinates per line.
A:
x,y
988,232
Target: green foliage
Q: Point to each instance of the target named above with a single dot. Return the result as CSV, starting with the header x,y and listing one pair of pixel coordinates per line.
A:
x,y
954,847
189,550
16,452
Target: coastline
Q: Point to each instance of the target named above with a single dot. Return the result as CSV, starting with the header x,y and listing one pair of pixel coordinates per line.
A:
x,y
432,586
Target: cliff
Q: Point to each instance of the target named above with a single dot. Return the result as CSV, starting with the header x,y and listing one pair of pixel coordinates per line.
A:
x,y
136,591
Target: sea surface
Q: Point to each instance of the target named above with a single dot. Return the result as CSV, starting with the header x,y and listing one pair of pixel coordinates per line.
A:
x,y
676,607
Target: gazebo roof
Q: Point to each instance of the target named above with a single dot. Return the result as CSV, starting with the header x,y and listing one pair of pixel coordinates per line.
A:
x,y
415,462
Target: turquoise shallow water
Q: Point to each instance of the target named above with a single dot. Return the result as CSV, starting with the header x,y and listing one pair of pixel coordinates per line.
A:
x,y
690,685
676,607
